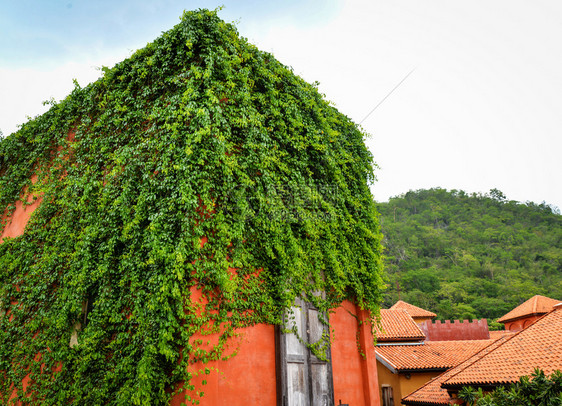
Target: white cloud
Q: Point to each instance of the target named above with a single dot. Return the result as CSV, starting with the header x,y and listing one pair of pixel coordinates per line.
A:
x,y
24,90
482,109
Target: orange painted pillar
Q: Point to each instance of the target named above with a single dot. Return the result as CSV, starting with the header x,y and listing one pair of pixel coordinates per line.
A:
x,y
353,360
369,361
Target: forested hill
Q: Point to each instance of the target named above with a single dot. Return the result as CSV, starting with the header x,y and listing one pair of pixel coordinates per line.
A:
x,y
470,255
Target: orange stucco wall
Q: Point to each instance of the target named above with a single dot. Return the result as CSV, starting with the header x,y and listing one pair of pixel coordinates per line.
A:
x,y
402,386
246,379
17,221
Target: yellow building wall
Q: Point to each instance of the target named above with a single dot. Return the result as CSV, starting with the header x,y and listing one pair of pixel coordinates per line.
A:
x,y
416,381
402,386
388,378
420,320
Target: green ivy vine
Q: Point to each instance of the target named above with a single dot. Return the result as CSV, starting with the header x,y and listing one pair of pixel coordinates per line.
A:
x,y
198,164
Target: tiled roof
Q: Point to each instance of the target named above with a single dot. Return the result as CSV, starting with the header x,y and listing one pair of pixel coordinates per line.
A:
x,y
397,325
494,335
431,355
536,305
412,310
537,346
432,393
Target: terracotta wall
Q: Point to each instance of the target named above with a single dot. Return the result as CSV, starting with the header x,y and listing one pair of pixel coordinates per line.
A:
x,y
18,220
522,323
456,330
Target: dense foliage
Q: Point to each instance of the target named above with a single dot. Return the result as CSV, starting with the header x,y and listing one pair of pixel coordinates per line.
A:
x,y
198,163
537,390
470,256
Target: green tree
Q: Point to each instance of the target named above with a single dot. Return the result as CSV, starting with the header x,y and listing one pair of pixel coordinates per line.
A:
x,y
536,390
469,255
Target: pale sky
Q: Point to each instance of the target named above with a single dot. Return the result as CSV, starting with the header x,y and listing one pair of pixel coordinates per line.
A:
x,y
482,108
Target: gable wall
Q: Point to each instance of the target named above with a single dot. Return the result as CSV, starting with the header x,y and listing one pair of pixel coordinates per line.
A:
x,y
522,323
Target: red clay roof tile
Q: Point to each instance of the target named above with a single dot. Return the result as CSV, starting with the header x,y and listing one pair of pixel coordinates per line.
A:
x,y
537,346
494,335
412,310
432,393
536,305
397,325
429,356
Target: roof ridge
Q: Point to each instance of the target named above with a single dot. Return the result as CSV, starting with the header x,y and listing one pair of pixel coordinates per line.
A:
x,y
400,304
535,303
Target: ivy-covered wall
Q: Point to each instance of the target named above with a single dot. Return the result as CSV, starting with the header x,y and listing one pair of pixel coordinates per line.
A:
x,y
198,164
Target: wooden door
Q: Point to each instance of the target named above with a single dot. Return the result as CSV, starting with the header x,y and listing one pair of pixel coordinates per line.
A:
x,y
305,379
387,396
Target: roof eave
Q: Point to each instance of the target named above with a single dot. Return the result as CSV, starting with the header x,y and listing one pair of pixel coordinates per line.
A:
x,y
422,403
431,369
395,370
401,340
520,317
386,363
483,385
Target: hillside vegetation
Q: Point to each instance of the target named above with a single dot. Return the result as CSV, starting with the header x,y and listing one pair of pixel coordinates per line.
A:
x,y
470,255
